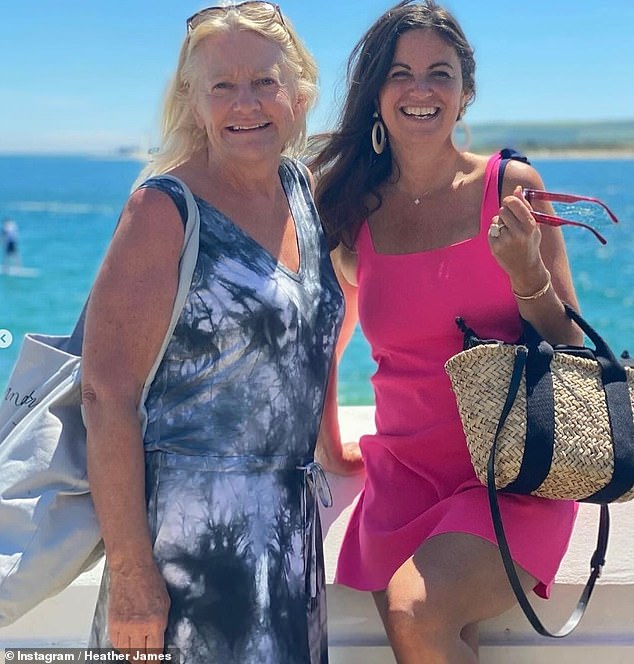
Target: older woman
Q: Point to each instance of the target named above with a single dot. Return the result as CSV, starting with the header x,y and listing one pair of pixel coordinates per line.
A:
x,y
209,515
422,237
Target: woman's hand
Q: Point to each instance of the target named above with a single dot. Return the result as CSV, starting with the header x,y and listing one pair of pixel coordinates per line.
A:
x,y
515,239
342,459
138,606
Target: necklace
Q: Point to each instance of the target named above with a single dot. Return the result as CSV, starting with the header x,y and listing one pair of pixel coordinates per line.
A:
x,y
426,194
419,199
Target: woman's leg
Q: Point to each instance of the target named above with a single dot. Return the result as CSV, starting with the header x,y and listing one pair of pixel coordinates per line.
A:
x,y
434,602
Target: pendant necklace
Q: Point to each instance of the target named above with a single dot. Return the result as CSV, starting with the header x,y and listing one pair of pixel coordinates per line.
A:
x,y
419,199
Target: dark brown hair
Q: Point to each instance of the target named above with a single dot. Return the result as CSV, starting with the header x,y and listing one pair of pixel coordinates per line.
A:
x,y
348,171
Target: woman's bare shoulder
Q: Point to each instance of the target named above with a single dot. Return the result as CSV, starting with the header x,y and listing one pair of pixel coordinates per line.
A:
x,y
474,165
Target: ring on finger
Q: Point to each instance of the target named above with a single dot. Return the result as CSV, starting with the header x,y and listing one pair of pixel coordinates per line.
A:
x,y
496,228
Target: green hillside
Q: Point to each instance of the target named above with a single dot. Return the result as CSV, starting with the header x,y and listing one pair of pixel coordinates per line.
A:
x,y
582,136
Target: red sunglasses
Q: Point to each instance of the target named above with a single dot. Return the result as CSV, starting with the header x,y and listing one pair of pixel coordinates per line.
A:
x,y
537,195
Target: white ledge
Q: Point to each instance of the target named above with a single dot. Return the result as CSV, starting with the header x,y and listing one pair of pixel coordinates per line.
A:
x,y
355,633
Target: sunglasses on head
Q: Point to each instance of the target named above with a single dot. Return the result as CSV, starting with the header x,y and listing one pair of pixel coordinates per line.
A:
x,y
196,19
537,195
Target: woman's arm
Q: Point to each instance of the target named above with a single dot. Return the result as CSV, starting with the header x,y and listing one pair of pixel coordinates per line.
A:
x,y
335,456
533,254
128,315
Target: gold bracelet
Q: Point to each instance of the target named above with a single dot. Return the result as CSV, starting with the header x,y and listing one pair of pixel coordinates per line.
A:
x,y
537,294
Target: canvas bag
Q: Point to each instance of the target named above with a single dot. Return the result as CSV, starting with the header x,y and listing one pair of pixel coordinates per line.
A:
x,y
48,528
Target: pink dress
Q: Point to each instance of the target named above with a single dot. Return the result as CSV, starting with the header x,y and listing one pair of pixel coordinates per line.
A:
x,y
420,481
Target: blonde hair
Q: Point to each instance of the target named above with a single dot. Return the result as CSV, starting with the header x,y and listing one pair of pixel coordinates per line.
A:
x,y
180,135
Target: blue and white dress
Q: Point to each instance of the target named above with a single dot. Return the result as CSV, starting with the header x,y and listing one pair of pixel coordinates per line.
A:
x,y
233,417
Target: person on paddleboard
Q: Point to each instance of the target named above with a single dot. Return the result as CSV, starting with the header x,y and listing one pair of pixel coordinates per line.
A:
x,y
10,254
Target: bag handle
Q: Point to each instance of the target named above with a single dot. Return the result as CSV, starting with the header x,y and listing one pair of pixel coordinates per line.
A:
x,y
506,155
187,214
602,350
186,267
187,264
598,557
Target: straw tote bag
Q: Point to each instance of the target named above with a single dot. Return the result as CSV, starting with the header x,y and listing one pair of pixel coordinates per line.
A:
x,y
48,528
551,421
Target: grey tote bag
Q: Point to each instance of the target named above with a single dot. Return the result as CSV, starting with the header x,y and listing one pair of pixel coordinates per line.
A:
x,y
48,528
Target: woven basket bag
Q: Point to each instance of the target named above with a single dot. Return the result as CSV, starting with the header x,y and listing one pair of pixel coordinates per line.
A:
x,y
583,452
560,416
551,421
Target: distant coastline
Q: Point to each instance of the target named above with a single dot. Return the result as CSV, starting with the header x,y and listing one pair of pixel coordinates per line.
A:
x,y
558,140
545,152
626,155
532,151
609,139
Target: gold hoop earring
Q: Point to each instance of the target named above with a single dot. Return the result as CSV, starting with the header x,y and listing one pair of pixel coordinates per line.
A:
x,y
461,136
379,135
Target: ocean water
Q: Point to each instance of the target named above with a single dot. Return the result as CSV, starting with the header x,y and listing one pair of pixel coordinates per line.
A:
x,y
66,209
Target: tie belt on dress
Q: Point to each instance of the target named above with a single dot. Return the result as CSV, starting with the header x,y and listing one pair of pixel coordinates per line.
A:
x,y
315,484
239,463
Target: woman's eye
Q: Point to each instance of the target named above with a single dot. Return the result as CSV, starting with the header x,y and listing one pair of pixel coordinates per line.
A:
x,y
439,73
401,73
220,86
266,81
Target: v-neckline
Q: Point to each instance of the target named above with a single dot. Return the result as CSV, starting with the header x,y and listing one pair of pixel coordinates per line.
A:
x,y
297,227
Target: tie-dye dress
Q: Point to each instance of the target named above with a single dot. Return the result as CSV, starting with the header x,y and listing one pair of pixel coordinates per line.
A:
x,y
233,417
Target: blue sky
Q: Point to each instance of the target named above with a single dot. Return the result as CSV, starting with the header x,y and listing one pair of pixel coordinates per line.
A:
x,y
82,75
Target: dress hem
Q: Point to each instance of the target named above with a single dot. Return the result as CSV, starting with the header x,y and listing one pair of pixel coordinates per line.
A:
x,y
542,589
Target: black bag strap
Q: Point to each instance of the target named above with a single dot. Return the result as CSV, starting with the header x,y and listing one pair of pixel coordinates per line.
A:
x,y
505,156
598,557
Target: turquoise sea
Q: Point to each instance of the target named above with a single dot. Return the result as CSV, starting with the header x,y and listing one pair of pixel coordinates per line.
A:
x,y
66,209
